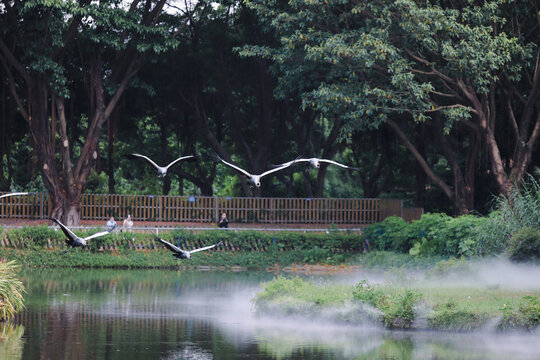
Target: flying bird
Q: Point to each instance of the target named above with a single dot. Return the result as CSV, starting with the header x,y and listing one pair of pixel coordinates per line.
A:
x,y
253,179
184,254
13,194
74,240
162,170
316,163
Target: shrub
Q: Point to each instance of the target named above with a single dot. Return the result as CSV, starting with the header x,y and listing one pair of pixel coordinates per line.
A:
x,y
396,305
429,235
11,290
519,210
524,245
388,234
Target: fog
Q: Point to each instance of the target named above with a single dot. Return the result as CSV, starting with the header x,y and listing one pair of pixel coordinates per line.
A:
x,y
231,312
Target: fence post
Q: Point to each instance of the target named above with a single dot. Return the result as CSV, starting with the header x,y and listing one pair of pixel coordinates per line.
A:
x,y
216,215
41,205
159,207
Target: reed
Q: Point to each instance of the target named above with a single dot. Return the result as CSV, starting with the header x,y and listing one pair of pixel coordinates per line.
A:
x,y
11,290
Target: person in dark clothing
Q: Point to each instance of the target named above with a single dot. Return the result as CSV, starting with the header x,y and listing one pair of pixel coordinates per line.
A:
x,y
223,222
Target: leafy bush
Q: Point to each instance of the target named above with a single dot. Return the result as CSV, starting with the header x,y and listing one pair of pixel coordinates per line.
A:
x,y
431,235
396,305
390,234
32,236
527,317
524,245
530,310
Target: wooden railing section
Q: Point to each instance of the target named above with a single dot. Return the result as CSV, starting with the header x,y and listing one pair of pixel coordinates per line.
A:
x,y
207,209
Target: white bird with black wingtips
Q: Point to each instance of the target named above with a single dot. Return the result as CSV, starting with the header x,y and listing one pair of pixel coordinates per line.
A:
x,y
183,254
74,240
316,163
255,180
162,170
13,194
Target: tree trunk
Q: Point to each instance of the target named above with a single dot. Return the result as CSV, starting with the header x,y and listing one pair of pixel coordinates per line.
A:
x,y
329,151
420,174
66,208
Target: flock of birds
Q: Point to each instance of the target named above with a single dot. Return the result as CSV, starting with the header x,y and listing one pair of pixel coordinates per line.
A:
x,y
74,241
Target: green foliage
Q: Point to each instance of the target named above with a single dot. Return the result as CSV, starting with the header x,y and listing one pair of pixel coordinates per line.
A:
x,y
521,209
32,236
396,305
530,310
431,235
392,260
526,317
11,290
446,236
524,245
450,266
451,318
388,234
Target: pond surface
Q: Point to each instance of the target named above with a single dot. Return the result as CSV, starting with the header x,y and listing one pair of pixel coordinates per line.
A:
x,y
153,314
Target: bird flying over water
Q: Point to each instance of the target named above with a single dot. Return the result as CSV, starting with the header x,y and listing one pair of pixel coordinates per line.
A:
x,y
162,170
316,163
74,240
184,254
253,179
13,194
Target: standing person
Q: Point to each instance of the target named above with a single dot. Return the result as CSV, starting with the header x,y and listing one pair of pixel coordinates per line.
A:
x,y
111,224
223,222
127,225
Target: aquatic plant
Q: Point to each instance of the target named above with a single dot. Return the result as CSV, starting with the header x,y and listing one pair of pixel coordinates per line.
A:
x,y
11,290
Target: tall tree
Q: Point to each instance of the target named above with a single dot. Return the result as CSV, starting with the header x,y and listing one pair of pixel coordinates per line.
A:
x,y
48,46
467,69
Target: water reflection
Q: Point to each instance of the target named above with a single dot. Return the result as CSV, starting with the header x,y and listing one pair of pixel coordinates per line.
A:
x,y
150,314
11,344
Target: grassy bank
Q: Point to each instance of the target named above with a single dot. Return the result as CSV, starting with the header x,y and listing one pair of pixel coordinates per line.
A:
x,y
160,258
449,309
130,258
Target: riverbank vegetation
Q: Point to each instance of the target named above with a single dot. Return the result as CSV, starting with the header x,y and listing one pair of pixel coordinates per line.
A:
x,y
11,290
448,308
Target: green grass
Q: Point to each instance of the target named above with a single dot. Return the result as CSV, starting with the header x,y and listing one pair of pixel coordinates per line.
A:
x,y
448,308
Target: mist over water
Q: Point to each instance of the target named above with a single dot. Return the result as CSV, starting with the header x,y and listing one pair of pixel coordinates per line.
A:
x,y
209,315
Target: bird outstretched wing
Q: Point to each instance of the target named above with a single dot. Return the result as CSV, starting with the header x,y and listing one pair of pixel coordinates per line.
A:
x,y
70,234
205,248
144,157
101,233
183,158
169,246
338,164
13,194
240,170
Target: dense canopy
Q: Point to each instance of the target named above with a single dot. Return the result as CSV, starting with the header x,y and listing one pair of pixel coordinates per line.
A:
x,y
435,102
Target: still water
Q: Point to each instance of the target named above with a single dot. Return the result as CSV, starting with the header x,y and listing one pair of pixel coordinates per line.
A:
x,y
152,314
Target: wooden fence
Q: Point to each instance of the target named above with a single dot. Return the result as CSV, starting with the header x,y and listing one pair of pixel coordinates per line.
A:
x,y
207,209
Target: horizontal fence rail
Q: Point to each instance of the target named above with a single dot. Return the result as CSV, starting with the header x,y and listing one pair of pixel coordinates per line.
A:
x,y
207,209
